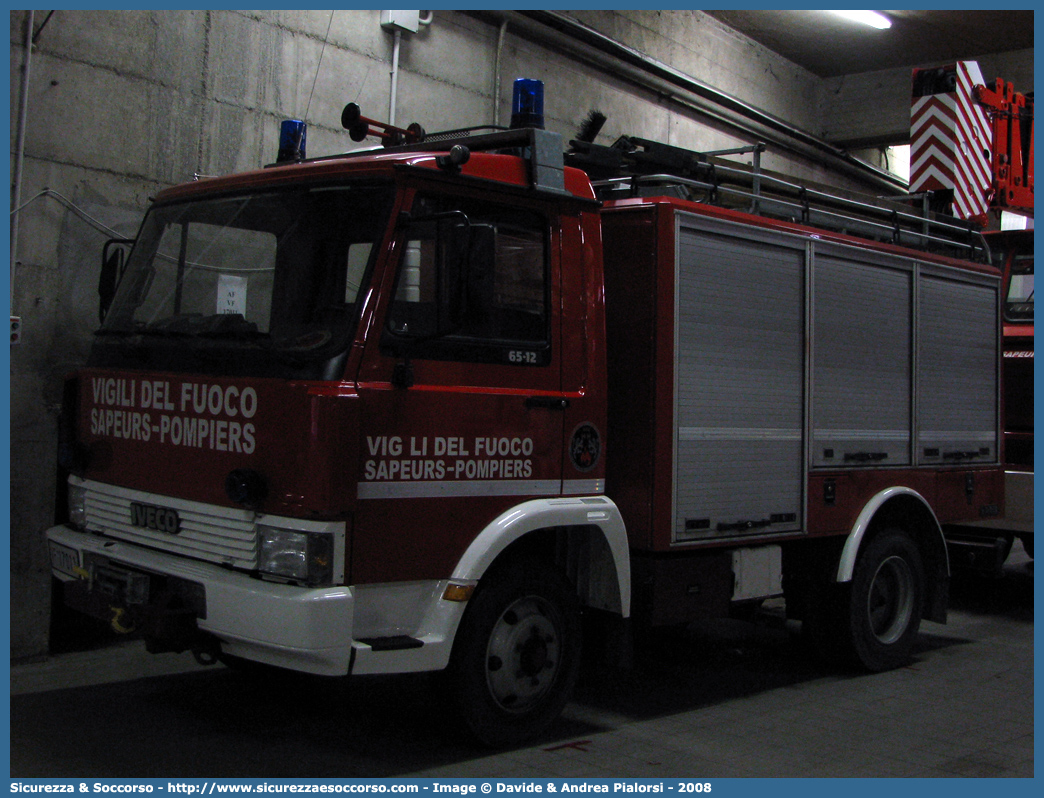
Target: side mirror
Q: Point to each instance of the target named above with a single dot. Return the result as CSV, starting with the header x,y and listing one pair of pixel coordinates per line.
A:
x,y
114,261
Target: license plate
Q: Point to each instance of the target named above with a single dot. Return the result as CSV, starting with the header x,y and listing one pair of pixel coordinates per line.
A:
x,y
64,559
121,585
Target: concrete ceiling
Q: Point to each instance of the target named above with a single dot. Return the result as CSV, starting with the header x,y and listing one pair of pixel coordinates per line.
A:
x,y
829,45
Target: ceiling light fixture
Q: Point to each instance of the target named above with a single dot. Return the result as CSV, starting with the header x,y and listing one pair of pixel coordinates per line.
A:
x,y
874,19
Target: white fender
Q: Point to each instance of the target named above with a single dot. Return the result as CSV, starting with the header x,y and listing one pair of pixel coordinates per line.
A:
x,y
846,567
596,511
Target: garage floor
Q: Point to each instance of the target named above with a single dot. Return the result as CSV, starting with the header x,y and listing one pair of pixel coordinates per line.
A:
x,y
729,699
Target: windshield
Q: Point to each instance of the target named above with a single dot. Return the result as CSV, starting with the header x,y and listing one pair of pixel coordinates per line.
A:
x,y
1019,304
267,279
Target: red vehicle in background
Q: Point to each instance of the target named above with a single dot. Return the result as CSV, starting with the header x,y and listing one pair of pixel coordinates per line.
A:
x,y
1015,250
1011,198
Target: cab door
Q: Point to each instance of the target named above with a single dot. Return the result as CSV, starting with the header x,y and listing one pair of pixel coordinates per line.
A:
x,y
460,384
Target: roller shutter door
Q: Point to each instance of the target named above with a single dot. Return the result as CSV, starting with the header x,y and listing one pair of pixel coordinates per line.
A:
x,y
957,358
861,385
739,385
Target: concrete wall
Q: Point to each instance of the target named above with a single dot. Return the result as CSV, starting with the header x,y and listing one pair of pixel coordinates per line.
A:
x,y
702,47
124,103
874,108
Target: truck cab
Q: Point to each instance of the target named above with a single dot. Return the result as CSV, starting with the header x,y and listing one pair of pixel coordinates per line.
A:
x,y
307,376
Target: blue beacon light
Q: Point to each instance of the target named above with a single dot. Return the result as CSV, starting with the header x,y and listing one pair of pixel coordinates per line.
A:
x,y
292,137
527,103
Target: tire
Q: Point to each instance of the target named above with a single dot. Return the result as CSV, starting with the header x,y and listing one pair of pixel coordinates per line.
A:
x,y
517,653
1027,544
885,602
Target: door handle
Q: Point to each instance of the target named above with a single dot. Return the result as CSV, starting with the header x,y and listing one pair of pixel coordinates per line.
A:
x,y
547,402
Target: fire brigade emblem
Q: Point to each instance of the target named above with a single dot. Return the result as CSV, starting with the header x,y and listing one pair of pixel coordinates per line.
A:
x,y
586,447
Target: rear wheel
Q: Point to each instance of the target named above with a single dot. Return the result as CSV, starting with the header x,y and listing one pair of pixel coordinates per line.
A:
x,y
517,654
885,602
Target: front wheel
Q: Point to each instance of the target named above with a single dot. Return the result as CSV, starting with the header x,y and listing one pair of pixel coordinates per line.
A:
x,y
517,654
885,602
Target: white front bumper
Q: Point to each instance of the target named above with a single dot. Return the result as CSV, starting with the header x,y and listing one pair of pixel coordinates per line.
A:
x,y
306,629
315,630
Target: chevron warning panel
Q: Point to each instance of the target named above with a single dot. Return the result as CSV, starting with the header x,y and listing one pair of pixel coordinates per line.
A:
x,y
950,137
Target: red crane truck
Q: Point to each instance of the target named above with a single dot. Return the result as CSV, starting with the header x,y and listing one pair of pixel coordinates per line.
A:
x,y
1011,169
437,406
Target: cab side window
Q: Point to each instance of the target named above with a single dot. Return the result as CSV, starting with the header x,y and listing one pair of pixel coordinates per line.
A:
x,y
472,285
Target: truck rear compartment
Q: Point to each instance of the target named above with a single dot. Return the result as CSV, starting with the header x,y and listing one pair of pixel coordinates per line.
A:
x,y
750,362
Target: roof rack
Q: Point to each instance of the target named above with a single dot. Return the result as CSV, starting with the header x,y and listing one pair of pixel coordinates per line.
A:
x,y
542,149
638,167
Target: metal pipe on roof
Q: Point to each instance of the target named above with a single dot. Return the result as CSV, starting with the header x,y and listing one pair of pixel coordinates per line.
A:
x,y
557,30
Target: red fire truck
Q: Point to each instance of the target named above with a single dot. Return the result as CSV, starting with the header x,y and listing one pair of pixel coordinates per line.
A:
x,y
438,406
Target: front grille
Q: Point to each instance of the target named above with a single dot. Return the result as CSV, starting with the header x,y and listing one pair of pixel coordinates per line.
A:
x,y
207,532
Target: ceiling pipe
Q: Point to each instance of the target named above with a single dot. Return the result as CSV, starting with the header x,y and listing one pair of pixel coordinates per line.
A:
x,y
561,32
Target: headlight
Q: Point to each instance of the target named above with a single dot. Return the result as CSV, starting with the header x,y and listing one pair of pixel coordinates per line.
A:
x,y
301,556
77,506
